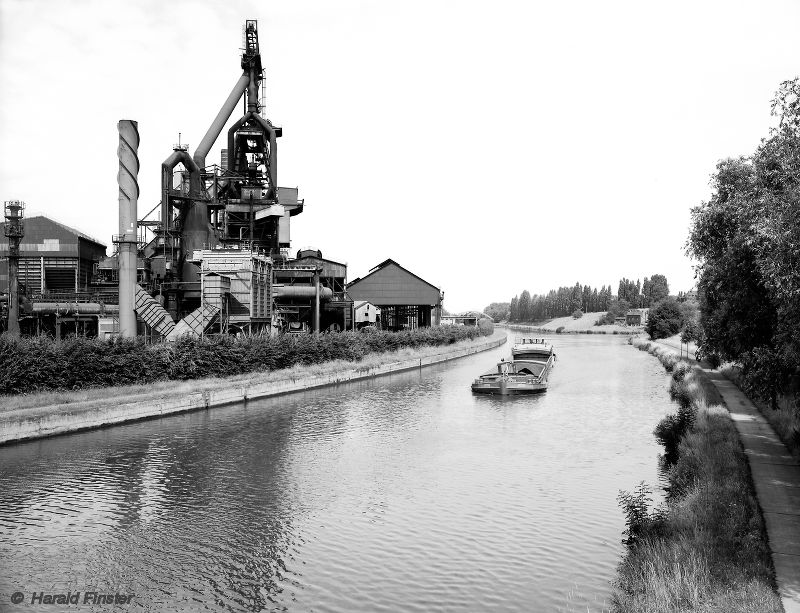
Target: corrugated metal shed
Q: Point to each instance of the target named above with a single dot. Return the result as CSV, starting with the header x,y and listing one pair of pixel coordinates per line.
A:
x,y
390,284
53,256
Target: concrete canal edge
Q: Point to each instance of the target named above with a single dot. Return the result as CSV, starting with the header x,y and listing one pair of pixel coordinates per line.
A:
x,y
776,478
41,422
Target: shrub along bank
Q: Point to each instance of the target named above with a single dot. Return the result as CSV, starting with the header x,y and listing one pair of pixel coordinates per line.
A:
x,y
30,365
705,548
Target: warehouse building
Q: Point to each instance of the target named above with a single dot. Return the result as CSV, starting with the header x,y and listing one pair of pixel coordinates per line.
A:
x,y
406,300
54,259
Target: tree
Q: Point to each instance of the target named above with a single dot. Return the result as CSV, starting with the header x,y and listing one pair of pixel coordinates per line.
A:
x,y
746,239
665,319
616,308
659,288
498,311
525,306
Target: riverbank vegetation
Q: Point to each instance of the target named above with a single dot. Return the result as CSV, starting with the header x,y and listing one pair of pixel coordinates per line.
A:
x,y
705,548
30,365
746,239
45,400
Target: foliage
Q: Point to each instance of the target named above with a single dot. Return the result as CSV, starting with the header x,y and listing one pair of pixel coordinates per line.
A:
x,y
705,550
643,294
665,319
567,299
616,308
559,303
577,314
38,364
486,326
690,332
638,519
499,311
746,239
765,374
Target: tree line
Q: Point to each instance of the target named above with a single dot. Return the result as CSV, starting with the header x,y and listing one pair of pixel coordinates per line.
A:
x,y
746,238
568,300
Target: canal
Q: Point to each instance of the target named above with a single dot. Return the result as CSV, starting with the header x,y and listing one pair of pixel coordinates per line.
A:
x,y
400,493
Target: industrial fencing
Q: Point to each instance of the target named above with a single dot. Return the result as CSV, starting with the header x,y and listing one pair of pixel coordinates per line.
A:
x,y
30,365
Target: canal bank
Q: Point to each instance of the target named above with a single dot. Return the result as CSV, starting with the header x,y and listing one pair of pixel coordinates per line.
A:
x,y
40,422
728,521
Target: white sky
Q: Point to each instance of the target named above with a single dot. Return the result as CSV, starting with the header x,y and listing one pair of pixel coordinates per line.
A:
x,y
488,147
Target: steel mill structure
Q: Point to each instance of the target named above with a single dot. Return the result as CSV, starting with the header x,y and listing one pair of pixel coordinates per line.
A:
x,y
213,255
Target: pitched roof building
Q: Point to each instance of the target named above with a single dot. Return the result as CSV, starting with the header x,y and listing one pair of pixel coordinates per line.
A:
x,y
53,257
406,300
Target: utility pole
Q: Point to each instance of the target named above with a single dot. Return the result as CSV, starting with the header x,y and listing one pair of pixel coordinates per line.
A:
x,y
14,230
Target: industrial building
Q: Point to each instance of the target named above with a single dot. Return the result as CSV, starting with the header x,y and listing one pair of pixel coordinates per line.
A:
x,y
636,317
366,314
213,256
53,259
56,266
406,300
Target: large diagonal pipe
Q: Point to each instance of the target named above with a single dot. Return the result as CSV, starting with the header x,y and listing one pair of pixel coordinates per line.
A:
x,y
219,121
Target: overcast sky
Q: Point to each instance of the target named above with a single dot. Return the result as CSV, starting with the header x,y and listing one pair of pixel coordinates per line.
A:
x,y
488,147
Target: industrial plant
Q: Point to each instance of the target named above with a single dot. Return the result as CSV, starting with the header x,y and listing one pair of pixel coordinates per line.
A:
x,y
212,257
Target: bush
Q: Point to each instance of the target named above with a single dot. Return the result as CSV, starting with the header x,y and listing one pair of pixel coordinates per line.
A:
x,y
577,314
30,365
665,319
560,329
486,326
639,521
705,550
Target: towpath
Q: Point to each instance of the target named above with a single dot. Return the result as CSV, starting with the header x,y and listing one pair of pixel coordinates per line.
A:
x,y
776,477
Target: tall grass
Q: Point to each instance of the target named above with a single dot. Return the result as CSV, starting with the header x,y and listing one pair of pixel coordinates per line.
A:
x,y
705,549
29,365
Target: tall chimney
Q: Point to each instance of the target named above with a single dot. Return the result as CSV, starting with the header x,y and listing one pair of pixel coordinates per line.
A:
x,y
128,198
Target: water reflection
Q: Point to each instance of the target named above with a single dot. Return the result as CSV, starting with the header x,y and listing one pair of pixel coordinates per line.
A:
x,y
405,492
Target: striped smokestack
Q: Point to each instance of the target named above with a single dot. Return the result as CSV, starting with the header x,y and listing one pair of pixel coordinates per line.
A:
x,y
128,199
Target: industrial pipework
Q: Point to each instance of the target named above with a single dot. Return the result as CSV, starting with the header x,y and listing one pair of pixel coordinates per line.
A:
x,y
126,239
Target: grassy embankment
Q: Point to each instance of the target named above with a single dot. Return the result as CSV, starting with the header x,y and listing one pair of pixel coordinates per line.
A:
x,y
583,325
705,549
39,372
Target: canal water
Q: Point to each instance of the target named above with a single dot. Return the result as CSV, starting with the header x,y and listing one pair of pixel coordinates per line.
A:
x,y
403,493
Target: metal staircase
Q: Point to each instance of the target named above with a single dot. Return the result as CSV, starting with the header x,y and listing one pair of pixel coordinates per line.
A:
x,y
152,313
195,322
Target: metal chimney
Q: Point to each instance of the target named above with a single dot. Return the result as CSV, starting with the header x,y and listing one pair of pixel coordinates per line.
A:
x,y
127,241
14,230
